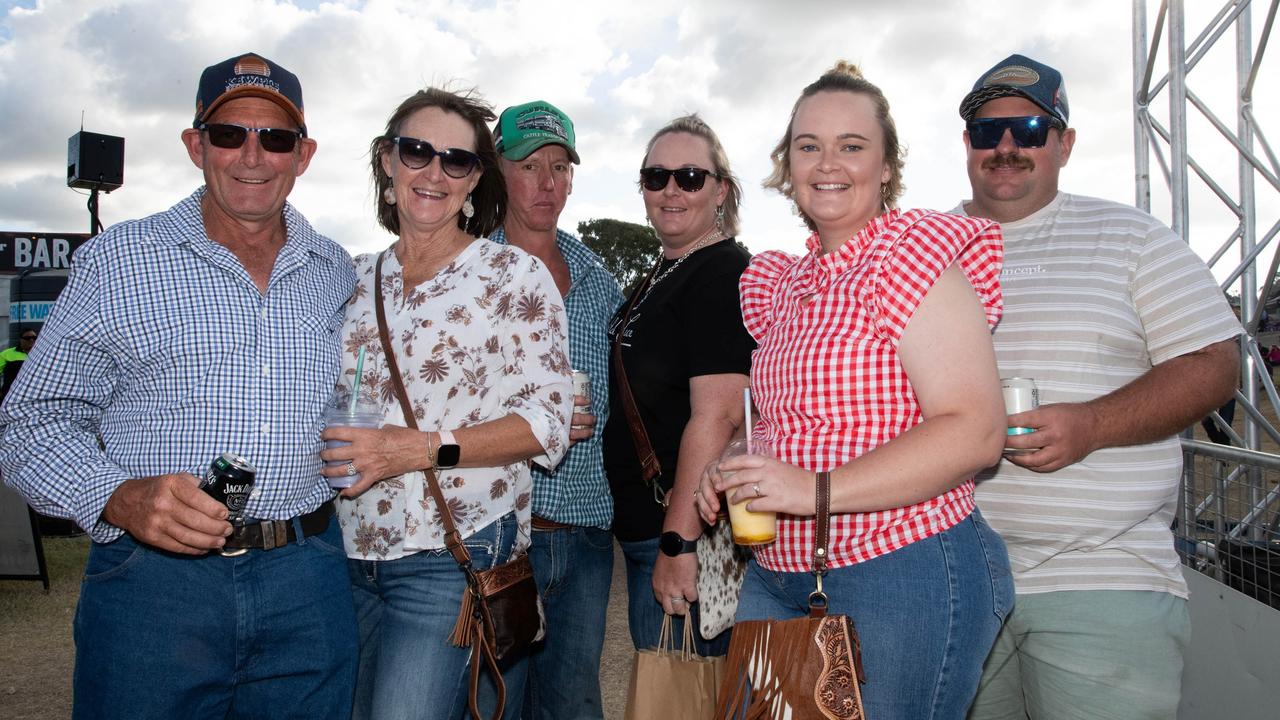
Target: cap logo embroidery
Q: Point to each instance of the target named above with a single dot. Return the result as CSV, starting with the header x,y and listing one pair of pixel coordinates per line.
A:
x,y
540,120
250,65
1016,75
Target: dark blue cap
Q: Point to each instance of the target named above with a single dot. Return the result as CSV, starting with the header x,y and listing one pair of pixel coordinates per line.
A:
x,y
1021,76
249,75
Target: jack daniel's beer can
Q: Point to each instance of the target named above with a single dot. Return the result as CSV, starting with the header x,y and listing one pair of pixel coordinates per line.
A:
x,y
229,480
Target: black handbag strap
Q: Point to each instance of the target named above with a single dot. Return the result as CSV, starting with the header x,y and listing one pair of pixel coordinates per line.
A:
x,y
452,538
821,540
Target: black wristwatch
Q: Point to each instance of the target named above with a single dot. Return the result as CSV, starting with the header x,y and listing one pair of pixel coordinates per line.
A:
x,y
449,453
672,545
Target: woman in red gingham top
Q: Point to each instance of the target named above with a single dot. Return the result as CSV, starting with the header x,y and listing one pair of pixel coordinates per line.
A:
x,y
875,364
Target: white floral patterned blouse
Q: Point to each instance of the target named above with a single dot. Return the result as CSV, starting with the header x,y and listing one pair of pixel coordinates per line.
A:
x,y
484,338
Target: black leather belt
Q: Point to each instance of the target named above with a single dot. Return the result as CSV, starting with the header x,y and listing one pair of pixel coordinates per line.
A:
x,y
269,534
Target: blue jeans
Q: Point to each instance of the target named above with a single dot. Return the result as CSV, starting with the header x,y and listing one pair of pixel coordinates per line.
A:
x,y
927,614
645,614
406,609
574,569
270,633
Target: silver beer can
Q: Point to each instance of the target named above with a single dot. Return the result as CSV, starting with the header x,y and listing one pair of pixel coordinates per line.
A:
x,y
1020,395
582,386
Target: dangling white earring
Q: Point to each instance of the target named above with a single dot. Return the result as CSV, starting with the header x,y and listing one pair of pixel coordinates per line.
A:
x,y
720,217
468,210
389,195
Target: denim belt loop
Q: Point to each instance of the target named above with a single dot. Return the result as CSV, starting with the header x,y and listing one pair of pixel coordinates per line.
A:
x,y
297,530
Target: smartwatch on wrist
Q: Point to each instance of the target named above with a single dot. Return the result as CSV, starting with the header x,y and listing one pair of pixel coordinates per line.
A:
x,y
672,545
449,453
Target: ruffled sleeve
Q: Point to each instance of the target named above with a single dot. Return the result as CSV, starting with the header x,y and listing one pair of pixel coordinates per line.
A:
x,y
757,289
924,244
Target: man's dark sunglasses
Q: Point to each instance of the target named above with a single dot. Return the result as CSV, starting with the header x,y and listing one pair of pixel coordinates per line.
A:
x,y
28,337
417,154
688,179
1031,131
230,137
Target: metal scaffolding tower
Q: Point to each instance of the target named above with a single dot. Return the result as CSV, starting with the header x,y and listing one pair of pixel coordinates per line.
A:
x,y
1243,250
1223,127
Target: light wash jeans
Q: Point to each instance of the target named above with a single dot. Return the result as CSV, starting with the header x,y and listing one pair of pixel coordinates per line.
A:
x,y
406,609
270,633
927,614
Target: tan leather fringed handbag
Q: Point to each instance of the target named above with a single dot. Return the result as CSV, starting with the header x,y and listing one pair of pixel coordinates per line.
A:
x,y
809,668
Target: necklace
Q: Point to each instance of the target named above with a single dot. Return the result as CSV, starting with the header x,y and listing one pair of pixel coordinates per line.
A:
x,y
711,235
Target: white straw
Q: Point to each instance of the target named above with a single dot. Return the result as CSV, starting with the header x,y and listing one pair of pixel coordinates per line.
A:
x,y
746,413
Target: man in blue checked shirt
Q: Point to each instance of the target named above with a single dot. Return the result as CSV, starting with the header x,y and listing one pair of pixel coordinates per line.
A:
x,y
572,550
209,328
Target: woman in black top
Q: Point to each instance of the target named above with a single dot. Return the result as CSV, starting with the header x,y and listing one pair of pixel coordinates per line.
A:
x,y
687,357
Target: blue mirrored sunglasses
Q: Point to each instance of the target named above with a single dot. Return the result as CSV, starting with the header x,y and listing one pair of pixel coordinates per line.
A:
x,y
1031,131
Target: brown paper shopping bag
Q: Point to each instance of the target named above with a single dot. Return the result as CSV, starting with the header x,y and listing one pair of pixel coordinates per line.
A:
x,y
670,684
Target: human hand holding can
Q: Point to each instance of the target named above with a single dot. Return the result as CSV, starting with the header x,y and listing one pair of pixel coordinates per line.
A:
x,y
581,393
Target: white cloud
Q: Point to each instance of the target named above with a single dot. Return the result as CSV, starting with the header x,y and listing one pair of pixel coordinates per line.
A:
x,y
619,69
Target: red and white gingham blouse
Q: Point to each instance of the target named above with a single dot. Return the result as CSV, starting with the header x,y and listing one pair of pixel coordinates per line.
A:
x,y
826,376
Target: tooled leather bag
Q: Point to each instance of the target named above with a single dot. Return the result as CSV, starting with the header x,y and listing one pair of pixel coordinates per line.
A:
x,y
808,668
501,611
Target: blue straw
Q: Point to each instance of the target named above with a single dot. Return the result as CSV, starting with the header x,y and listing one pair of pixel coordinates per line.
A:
x,y
355,386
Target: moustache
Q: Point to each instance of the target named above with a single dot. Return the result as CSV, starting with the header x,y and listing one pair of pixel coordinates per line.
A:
x,y
1010,161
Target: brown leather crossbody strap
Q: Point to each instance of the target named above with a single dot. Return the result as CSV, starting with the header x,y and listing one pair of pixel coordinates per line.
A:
x,y
650,468
452,538
821,532
821,522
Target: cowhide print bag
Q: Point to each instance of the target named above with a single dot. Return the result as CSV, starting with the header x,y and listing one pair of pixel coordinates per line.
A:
x,y
721,566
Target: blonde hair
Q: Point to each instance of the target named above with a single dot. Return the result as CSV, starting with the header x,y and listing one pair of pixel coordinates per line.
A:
x,y
696,126
844,76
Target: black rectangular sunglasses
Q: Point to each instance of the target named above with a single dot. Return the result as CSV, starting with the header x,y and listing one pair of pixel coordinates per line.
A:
x,y
417,154
230,137
688,179
1031,131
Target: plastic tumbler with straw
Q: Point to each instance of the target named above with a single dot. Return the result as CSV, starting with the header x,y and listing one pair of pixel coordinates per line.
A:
x,y
750,527
353,413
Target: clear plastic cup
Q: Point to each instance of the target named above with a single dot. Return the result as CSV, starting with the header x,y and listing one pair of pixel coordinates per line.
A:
x,y
364,415
750,527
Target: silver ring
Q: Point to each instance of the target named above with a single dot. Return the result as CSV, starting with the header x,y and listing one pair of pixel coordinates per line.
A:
x,y
351,469
756,487
677,598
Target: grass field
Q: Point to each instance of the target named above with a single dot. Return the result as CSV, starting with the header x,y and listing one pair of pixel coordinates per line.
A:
x,y
35,635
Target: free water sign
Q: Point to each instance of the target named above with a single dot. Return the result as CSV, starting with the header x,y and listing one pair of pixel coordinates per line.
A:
x,y
38,251
29,312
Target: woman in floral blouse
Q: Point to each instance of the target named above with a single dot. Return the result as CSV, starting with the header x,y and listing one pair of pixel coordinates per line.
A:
x,y
848,382
478,330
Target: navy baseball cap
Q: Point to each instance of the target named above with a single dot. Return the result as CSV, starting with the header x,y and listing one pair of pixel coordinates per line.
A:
x,y
1021,76
249,75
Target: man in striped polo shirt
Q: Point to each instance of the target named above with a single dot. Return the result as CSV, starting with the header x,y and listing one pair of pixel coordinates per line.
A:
x,y
1129,340
572,549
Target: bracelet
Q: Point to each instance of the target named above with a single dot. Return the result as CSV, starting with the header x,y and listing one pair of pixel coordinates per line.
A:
x,y
431,453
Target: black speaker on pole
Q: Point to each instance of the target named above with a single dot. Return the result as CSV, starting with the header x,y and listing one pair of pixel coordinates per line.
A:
x,y
95,162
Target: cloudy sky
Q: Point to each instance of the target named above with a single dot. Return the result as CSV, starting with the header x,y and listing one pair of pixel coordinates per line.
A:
x,y
620,70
